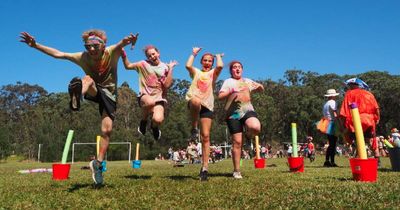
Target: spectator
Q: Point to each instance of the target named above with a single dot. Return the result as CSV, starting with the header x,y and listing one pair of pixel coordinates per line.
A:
x,y
368,108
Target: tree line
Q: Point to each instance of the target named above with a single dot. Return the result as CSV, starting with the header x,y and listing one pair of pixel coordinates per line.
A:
x,y
31,116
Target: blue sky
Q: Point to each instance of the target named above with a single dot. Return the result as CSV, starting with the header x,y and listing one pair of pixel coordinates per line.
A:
x,y
269,37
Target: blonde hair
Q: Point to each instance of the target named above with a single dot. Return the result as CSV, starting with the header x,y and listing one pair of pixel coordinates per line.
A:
x,y
96,32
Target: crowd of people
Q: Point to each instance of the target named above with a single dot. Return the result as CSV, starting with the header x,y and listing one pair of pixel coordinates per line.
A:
x,y
193,154
99,63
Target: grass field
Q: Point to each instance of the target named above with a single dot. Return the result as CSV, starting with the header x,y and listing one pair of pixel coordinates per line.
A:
x,y
159,185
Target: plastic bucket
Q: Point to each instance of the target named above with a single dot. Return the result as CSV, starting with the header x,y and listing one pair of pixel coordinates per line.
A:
x,y
296,164
136,164
259,163
61,171
365,170
394,154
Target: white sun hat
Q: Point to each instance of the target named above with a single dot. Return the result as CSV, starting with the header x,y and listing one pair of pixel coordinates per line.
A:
x,y
331,92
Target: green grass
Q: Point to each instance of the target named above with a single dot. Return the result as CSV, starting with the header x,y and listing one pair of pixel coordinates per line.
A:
x,y
158,185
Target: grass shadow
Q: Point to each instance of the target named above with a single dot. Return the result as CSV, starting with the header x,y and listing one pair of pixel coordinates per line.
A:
x,y
179,178
137,177
325,167
342,179
220,174
386,170
78,186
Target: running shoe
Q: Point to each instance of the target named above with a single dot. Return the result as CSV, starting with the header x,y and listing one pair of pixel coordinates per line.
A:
x,y
75,93
203,175
156,133
97,173
237,175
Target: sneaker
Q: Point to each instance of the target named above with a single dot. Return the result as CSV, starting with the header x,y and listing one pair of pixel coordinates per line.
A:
x,y
75,93
142,127
194,134
97,173
203,175
327,164
156,133
237,175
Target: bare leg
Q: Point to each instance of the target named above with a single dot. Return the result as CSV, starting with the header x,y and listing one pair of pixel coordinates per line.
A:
x,y
236,150
89,86
194,106
158,115
106,129
205,140
253,127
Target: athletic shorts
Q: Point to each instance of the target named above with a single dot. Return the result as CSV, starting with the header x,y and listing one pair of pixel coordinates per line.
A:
x,y
236,126
105,103
204,112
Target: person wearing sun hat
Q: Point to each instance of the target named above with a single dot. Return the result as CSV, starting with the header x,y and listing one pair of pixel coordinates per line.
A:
x,y
328,126
368,108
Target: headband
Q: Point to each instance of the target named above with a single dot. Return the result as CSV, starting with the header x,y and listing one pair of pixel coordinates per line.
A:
x,y
93,39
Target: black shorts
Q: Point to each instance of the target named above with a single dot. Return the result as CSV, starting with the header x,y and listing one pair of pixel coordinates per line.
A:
x,y
162,103
105,103
204,112
236,126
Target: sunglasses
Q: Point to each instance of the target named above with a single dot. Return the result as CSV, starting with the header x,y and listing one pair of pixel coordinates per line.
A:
x,y
95,46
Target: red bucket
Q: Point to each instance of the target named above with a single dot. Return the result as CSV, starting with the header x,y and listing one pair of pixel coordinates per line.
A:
x,y
61,171
365,170
296,164
259,163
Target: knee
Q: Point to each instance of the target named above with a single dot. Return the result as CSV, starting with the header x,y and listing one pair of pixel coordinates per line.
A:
x,y
205,137
158,119
254,128
195,102
87,80
106,131
147,102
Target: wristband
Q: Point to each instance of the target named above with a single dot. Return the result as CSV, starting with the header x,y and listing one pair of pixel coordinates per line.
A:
x,y
123,54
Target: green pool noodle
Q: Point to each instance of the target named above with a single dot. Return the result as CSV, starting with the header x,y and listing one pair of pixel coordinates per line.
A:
x,y
294,140
66,147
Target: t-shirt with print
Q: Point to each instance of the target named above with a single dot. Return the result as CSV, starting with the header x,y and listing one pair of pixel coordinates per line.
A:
x,y
242,105
103,72
151,80
202,88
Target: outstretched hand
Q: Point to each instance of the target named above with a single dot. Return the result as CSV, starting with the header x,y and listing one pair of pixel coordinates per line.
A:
x,y
28,39
173,63
220,54
131,39
196,50
258,87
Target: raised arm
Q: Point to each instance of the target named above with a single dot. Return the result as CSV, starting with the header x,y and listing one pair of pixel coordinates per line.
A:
x,y
168,79
30,41
219,66
189,63
128,65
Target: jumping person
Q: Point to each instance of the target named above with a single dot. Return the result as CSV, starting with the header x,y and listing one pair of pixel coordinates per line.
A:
x,y
200,97
240,111
155,77
99,84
